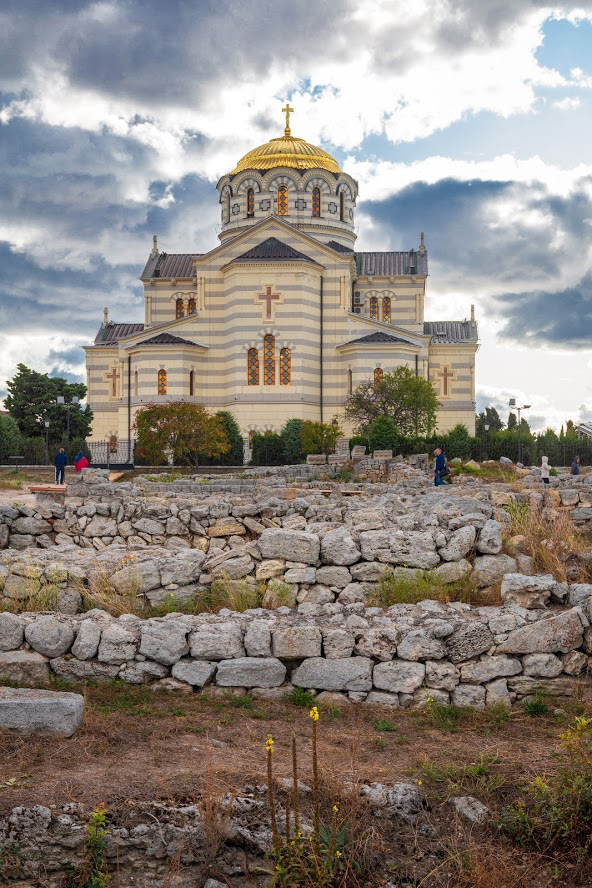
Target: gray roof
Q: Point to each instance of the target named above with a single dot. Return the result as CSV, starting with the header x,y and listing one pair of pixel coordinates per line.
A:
x,y
272,249
450,331
388,264
339,247
379,336
110,333
166,339
170,265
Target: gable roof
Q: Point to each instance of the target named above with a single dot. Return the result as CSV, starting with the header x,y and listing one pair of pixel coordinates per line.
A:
x,y
110,333
389,264
339,247
165,339
170,265
450,331
379,336
273,249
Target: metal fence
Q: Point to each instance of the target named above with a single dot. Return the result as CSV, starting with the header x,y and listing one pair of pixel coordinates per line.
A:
x,y
112,452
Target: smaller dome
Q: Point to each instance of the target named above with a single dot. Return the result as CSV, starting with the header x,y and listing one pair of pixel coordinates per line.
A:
x,y
287,151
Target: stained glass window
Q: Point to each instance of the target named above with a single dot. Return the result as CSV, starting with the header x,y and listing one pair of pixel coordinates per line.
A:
x,y
192,383
269,360
316,202
179,309
252,434
227,208
285,366
378,375
283,200
253,367
191,307
250,202
374,308
162,382
342,206
386,309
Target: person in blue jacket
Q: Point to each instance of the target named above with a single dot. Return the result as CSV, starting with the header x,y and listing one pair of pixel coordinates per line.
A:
x,y
60,462
439,464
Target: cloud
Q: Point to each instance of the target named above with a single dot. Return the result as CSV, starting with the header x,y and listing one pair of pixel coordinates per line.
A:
x,y
568,103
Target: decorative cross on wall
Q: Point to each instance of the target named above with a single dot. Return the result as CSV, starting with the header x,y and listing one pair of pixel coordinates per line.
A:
x,y
268,297
446,374
112,377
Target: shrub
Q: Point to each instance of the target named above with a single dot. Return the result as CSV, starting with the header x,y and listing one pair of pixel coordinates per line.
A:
x,y
358,440
458,442
290,435
268,450
318,437
234,455
300,697
535,706
383,434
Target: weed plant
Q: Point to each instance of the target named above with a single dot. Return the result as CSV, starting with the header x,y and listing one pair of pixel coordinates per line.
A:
x,y
424,584
550,538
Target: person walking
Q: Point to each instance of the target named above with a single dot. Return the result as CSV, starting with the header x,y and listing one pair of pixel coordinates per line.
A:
x,y
60,462
575,466
545,469
439,467
80,462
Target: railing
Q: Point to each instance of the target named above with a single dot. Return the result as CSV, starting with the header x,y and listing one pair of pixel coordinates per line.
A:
x,y
111,452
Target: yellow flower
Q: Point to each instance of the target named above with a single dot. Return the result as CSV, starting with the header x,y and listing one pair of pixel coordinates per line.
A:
x,y
419,782
314,714
269,743
338,854
335,809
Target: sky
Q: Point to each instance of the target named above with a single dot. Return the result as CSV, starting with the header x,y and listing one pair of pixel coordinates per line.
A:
x,y
468,120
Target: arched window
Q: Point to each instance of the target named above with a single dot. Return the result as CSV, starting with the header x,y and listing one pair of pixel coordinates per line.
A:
x,y
253,367
342,206
227,208
191,307
282,195
374,308
162,382
269,359
316,202
350,382
179,309
192,383
250,202
285,366
378,375
136,383
386,309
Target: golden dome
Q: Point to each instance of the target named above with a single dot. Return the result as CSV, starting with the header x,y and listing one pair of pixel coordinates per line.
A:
x,y
287,151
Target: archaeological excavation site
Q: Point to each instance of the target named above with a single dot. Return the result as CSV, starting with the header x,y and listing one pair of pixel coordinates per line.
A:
x,y
281,677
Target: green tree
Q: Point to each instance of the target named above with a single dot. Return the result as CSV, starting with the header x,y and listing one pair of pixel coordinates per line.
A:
x,y
290,434
178,431
234,454
409,400
383,434
267,450
318,437
512,421
32,398
458,442
10,438
489,417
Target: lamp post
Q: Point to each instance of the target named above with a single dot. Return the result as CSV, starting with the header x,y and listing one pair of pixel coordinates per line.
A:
x,y
46,424
486,427
73,403
518,409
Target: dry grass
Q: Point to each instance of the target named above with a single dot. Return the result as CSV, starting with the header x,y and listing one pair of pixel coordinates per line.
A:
x,y
552,539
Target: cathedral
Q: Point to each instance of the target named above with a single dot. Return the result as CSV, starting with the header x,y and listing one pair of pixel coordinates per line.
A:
x,y
284,317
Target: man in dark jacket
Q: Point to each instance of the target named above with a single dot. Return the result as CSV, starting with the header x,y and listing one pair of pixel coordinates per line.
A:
x,y
60,462
439,464
575,466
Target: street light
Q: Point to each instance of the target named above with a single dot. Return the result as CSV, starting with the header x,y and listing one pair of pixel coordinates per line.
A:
x,y
75,402
524,407
46,424
486,427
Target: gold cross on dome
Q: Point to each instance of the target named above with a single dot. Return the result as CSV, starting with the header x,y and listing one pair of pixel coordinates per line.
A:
x,y
287,111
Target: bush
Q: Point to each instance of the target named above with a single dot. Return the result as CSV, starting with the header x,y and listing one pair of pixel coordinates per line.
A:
x,y
268,450
458,442
318,437
234,455
290,435
358,441
383,434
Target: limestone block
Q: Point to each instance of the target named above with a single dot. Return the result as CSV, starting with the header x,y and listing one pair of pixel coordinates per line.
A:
x,y
575,662
217,641
527,591
369,571
330,575
490,538
280,594
338,547
579,593
11,631
542,665
470,809
87,640
300,575
226,527
554,687
142,672
496,693
251,672
100,526
469,695
418,645
296,642
460,544
49,636
182,569
37,711
291,545
117,645
198,673
316,594
164,640
24,667
149,525
563,633
403,800
268,569
452,571
258,639
171,684
21,588
382,698
71,669
337,644
399,676
411,548
489,569
336,698
34,526
468,640
489,668
378,643
441,674
347,674
234,568
142,577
